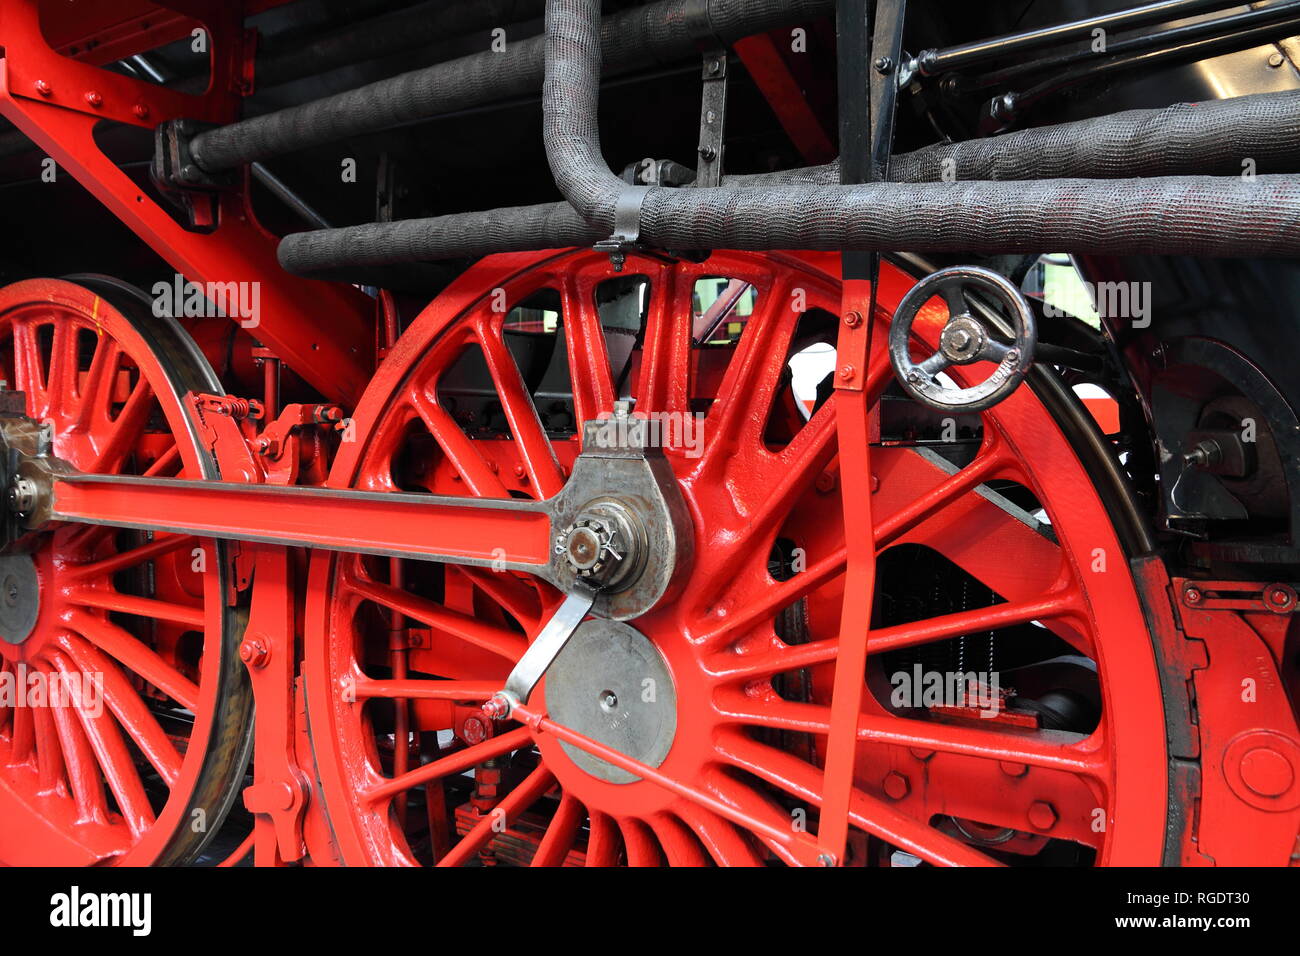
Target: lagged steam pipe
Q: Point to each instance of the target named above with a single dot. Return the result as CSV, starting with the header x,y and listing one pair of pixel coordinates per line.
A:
x,y
661,32
1216,137
1191,215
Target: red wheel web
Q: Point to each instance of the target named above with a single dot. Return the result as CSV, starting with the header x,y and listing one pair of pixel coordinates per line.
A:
x,y
515,796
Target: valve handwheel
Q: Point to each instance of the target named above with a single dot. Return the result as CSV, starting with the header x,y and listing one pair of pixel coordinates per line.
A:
x,y
965,340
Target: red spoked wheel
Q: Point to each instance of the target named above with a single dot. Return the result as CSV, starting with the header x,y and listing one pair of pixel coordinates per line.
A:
x,y
997,562
125,713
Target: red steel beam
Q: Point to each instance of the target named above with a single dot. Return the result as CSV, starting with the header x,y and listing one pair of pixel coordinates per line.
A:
x,y
771,74
324,331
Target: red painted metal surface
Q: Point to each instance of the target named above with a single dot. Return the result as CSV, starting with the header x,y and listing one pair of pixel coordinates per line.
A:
x,y
335,359
369,672
1106,790
89,373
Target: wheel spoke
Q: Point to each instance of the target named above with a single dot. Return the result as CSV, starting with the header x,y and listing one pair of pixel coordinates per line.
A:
x,y
561,833
740,412
28,367
61,386
1048,749
114,760
678,843
526,427
461,451
985,466
79,760
136,656
49,755
106,568
523,796
663,381
720,837
865,812
106,600
125,430
457,762
593,386
131,711
602,840
97,392
497,640
642,848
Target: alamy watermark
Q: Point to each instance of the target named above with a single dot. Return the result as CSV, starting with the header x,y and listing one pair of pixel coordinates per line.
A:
x,y
967,690
1114,300
678,430
22,687
212,300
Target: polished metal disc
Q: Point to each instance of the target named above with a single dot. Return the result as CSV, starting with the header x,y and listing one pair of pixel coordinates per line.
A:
x,y
20,598
612,685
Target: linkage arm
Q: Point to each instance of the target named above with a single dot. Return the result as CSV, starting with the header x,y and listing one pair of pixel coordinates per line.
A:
x,y
503,533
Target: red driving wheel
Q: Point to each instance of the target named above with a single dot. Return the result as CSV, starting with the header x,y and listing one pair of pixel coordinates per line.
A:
x,y
1063,761
125,713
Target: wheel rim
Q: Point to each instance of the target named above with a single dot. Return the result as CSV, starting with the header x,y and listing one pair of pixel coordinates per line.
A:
x,y
139,760
932,784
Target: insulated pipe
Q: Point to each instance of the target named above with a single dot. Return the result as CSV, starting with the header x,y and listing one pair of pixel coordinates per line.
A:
x,y
1212,137
659,32
1190,215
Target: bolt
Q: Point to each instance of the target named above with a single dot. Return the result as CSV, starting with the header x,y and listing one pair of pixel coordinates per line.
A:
x,y
1279,598
715,66
94,99
190,173
1042,815
474,730
1276,60
708,153
521,472
885,65
498,707
1267,772
254,653
1192,596
44,88
896,785
853,319
1013,355
847,373
875,483
140,110
1013,769
826,482
22,496
825,859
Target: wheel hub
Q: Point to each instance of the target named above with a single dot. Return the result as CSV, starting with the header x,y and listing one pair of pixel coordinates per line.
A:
x,y
19,597
612,684
606,545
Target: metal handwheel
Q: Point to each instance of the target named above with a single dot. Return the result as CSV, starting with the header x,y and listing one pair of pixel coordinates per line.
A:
x,y
965,340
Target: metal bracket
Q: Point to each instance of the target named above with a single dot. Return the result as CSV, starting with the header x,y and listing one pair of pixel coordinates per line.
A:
x,y
713,119
179,177
627,226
